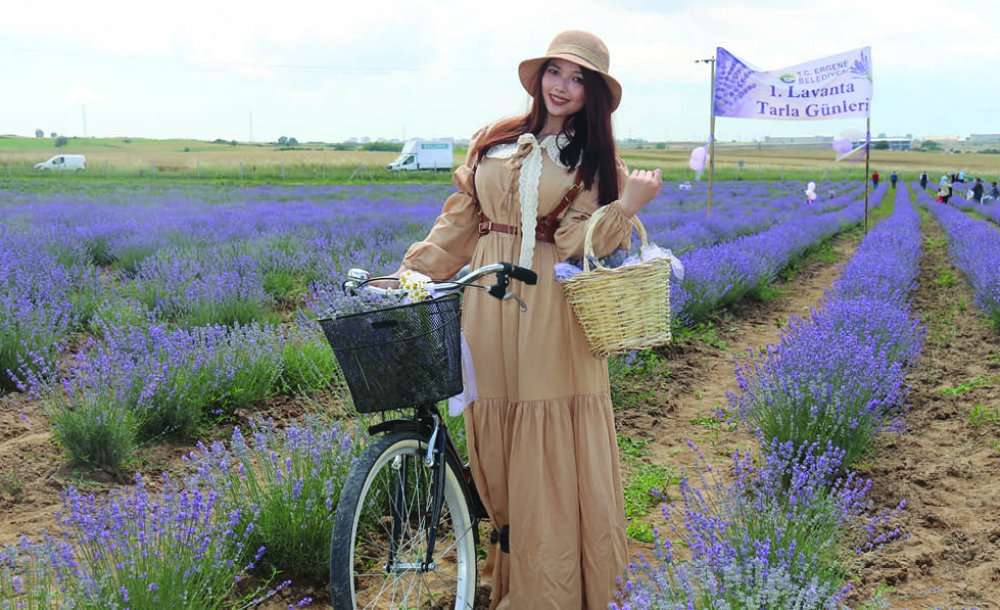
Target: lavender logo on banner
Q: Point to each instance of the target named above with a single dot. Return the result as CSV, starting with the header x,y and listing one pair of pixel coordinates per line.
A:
x,y
835,87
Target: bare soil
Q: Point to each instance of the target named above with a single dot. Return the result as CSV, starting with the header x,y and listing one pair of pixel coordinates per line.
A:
x,y
946,465
34,470
682,404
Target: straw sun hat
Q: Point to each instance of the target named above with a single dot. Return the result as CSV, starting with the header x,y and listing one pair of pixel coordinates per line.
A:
x,y
581,48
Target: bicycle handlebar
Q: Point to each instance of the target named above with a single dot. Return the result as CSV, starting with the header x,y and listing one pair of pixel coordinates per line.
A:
x,y
359,278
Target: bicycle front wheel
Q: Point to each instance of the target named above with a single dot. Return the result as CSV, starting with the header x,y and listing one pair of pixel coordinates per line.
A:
x,y
380,534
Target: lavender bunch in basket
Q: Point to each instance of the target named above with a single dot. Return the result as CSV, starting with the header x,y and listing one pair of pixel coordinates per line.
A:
x,y
619,258
328,301
572,266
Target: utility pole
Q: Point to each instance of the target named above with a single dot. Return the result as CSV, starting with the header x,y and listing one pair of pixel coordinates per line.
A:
x,y
711,133
868,146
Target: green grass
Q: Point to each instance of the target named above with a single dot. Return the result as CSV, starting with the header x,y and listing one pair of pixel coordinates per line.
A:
x,y
22,177
702,332
878,599
945,278
11,484
627,373
645,485
980,415
965,386
631,448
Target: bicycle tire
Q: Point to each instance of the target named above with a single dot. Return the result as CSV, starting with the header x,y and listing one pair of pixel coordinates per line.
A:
x,y
361,540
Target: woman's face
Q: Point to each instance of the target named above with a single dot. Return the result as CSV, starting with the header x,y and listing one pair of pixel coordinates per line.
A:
x,y
562,87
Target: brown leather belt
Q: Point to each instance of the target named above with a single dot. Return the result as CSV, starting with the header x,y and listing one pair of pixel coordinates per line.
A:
x,y
546,227
543,232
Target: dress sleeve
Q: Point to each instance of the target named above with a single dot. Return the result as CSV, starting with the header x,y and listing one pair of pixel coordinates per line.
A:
x,y
452,239
614,230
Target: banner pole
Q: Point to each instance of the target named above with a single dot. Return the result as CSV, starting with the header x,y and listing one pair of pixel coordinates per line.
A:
x,y
868,146
711,141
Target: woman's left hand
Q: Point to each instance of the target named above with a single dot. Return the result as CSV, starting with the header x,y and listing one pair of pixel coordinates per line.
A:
x,y
641,187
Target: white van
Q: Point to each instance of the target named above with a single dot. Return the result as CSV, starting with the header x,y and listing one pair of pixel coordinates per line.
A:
x,y
424,154
64,162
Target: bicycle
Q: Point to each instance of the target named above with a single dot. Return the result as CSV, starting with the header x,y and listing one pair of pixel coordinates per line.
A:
x,y
407,523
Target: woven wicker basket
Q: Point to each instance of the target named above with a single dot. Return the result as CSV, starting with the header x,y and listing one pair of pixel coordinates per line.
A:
x,y
622,309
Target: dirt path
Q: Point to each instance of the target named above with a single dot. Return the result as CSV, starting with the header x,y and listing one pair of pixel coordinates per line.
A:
x,y
947,464
34,470
682,404
30,463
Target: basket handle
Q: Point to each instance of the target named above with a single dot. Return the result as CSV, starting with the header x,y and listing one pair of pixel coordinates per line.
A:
x,y
588,240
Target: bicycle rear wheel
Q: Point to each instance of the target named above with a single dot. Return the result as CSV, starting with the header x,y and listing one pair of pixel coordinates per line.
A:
x,y
380,535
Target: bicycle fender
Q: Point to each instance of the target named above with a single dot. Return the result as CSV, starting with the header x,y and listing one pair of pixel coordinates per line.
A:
x,y
402,425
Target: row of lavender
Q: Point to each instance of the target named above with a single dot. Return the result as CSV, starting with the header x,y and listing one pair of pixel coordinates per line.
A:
x,y
975,247
195,260
723,273
989,209
775,536
213,539
197,344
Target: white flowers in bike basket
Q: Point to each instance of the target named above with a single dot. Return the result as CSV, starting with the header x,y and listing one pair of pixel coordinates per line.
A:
x,y
415,285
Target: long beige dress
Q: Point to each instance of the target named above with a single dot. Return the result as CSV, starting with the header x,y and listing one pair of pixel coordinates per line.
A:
x,y
541,434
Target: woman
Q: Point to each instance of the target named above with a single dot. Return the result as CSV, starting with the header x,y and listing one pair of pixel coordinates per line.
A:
x,y
944,193
541,433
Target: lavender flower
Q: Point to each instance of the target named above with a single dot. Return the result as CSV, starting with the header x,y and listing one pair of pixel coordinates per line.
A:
x,y
290,479
975,246
768,538
839,376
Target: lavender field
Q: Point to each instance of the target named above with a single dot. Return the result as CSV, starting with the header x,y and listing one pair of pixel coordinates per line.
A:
x,y
174,431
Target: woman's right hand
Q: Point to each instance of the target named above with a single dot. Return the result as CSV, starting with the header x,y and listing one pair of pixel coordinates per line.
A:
x,y
641,187
391,281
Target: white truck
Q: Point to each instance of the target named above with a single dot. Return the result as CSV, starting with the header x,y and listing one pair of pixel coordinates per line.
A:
x,y
424,154
64,162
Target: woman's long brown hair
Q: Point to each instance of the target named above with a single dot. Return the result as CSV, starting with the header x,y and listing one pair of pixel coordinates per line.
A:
x,y
589,132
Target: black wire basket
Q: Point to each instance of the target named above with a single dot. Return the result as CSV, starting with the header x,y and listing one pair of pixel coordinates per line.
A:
x,y
399,356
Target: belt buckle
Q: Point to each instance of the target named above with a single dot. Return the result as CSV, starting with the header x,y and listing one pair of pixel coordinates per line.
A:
x,y
485,227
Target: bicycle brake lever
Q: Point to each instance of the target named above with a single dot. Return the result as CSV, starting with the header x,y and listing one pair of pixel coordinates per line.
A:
x,y
520,303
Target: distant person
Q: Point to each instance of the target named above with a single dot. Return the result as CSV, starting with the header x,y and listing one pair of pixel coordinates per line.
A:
x,y
977,190
875,179
893,178
961,176
923,181
994,194
944,193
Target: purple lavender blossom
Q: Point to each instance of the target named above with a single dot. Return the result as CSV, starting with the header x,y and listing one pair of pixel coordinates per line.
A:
x,y
769,538
839,376
289,479
975,247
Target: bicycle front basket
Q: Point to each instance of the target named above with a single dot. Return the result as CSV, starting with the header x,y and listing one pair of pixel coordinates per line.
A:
x,y
400,356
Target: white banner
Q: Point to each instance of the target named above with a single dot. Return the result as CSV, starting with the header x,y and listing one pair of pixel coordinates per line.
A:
x,y
836,87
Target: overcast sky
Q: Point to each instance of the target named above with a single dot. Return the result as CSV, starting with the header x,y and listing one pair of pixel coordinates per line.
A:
x,y
330,70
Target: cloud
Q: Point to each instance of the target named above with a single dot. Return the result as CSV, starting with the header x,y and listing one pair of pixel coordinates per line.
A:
x,y
81,94
446,66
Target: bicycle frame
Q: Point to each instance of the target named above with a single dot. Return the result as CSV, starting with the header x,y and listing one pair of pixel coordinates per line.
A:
x,y
428,422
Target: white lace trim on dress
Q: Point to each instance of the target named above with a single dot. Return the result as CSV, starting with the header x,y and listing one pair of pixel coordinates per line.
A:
x,y
553,145
528,180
